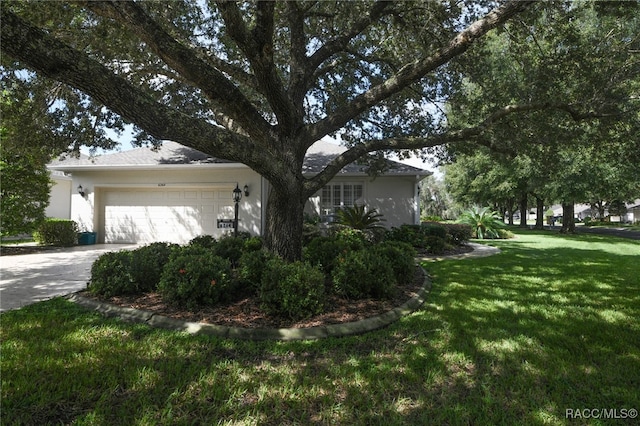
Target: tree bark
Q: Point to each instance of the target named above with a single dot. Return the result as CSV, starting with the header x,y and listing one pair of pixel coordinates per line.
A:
x,y
510,205
523,211
285,213
539,213
568,220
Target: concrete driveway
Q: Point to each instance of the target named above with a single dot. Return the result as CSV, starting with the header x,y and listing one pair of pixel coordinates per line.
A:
x,y
30,278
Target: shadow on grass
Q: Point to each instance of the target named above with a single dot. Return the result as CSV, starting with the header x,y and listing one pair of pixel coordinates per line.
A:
x,y
516,338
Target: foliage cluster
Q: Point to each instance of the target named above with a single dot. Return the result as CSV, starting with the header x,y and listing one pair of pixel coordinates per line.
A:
x,y
484,223
57,232
207,271
431,237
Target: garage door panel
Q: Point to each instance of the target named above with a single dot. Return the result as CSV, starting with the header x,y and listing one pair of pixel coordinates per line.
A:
x,y
139,216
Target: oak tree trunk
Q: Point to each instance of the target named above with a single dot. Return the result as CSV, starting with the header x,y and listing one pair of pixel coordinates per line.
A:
x,y
524,213
539,213
283,233
568,221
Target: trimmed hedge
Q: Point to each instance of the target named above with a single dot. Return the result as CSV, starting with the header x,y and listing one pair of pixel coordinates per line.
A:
x,y
294,290
196,277
57,232
362,274
111,275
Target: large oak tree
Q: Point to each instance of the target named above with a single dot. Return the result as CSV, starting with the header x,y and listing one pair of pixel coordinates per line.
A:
x,y
259,82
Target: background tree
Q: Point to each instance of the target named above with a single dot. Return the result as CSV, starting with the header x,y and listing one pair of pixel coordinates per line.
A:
x,y
435,200
587,59
24,189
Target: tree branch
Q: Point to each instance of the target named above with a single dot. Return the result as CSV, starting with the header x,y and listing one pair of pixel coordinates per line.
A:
x,y
416,70
47,55
214,84
413,143
257,45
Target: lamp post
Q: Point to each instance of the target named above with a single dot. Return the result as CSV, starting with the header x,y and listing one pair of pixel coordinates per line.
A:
x,y
237,196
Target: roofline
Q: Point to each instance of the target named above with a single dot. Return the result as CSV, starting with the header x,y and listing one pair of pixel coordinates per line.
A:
x,y
152,167
144,167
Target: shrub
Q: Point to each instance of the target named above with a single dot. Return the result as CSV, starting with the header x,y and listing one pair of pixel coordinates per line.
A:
x,y
505,234
357,217
252,244
435,244
205,241
196,276
230,248
147,263
57,232
458,233
355,239
433,229
411,234
293,290
401,257
111,275
361,274
323,251
251,267
484,222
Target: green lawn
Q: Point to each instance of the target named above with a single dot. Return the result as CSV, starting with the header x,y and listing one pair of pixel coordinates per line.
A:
x,y
552,323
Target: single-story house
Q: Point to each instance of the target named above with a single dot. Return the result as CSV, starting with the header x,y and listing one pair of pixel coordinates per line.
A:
x,y
175,193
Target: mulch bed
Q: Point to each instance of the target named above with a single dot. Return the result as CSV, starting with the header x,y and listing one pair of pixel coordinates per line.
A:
x,y
246,312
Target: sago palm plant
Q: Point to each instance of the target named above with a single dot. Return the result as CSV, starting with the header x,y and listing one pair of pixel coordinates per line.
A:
x,y
484,222
357,217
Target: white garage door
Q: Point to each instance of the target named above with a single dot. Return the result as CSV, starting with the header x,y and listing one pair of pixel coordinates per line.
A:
x,y
171,215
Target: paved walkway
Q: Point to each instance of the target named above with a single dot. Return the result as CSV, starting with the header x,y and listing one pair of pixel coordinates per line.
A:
x,y
30,278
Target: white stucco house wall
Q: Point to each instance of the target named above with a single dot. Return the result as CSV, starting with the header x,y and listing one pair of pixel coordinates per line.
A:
x,y
176,193
59,196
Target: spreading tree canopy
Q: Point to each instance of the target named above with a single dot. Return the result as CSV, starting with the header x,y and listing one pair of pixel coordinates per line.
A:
x,y
258,82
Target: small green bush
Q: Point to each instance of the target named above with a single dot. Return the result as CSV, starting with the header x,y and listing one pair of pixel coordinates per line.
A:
x,y
362,274
505,234
111,275
251,267
411,234
252,244
205,241
294,290
401,257
147,263
323,251
57,232
435,244
354,238
230,248
194,276
458,233
433,229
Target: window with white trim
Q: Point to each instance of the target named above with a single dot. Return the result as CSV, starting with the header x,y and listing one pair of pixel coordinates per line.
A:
x,y
339,195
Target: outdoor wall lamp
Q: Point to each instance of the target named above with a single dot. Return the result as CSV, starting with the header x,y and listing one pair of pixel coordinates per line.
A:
x,y
246,190
81,191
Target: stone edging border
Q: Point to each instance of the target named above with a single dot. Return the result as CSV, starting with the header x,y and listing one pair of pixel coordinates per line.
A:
x,y
285,334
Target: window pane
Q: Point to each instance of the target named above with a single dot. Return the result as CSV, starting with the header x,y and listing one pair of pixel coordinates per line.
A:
x,y
337,196
347,195
357,194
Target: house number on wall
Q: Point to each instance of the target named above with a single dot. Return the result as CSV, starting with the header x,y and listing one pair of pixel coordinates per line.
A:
x,y
225,223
